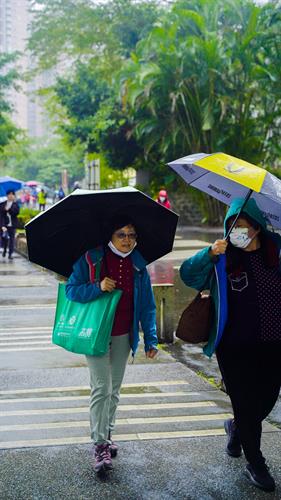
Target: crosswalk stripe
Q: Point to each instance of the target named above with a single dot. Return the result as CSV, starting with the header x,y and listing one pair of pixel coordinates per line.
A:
x,y
25,329
32,342
122,407
120,437
25,337
85,398
28,306
30,349
83,387
22,284
121,421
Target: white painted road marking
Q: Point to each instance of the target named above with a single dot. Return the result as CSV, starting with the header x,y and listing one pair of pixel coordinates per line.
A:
x,y
83,387
121,437
85,398
120,421
122,407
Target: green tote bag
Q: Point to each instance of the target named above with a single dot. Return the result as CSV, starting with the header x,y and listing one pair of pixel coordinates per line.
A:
x,y
85,328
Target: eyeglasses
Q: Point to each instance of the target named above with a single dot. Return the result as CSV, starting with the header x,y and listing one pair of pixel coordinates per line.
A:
x,y
122,236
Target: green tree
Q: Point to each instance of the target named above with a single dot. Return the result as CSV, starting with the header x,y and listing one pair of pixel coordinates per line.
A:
x,y
206,79
104,35
8,79
44,163
110,30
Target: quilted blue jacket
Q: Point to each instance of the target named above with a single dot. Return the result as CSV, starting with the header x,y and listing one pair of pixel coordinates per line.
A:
x,y
80,289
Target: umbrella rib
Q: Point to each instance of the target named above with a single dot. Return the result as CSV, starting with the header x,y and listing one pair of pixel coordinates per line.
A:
x,y
202,175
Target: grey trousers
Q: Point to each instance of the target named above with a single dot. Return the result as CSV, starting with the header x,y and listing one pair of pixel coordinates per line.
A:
x,y
106,376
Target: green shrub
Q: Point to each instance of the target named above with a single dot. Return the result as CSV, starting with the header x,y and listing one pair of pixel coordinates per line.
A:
x,y
25,215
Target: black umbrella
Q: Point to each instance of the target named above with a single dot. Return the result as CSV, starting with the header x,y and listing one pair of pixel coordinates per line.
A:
x,y
57,237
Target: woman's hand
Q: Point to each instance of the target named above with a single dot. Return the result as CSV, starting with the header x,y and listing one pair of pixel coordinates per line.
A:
x,y
151,353
107,285
219,247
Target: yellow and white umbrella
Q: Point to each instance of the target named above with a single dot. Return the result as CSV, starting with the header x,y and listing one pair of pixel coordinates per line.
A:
x,y
225,177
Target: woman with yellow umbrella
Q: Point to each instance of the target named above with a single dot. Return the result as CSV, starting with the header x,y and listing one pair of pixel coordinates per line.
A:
x,y
242,271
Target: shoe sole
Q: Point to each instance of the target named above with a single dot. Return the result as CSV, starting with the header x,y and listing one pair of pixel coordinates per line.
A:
x,y
230,453
252,480
104,468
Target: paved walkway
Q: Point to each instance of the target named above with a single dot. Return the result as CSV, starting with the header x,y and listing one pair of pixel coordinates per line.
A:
x,y
169,422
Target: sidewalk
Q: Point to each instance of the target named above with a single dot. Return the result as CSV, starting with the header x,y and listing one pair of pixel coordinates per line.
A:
x,y
182,458
169,422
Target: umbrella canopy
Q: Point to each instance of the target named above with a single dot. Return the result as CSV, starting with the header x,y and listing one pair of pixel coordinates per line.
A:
x,y
9,183
57,237
3,196
225,177
31,183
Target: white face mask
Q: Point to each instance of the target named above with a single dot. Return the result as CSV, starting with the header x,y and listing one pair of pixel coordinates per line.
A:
x,y
118,252
162,199
239,237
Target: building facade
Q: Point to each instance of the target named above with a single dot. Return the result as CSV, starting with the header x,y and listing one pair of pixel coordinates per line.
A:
x,y
27,106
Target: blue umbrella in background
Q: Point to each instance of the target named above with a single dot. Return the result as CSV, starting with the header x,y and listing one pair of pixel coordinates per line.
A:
x,y
3,196
9,183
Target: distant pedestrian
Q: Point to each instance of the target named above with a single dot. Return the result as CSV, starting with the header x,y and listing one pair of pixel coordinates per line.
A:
x,y
246,331
123,267
33,197
76,185
61,193
27,198
42,198
8,223
163,199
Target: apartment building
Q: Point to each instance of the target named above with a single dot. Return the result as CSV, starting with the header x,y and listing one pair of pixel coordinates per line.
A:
x,y
28,111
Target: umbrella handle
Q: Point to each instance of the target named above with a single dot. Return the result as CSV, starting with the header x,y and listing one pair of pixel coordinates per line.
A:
x,y
237,216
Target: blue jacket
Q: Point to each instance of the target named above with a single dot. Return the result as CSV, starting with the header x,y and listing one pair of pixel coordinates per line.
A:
x,y
195,272
80,289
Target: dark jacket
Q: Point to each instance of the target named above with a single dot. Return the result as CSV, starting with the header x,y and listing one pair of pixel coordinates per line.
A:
x,y
195,272
13,212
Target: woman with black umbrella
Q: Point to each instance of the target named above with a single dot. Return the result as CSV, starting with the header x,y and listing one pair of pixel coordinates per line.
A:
x,y
123,267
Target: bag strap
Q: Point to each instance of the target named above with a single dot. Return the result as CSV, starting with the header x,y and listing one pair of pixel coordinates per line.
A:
x,y
206,280
94,270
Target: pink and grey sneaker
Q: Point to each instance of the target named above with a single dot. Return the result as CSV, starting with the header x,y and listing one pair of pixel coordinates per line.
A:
x,y
113,449
102,458
112,446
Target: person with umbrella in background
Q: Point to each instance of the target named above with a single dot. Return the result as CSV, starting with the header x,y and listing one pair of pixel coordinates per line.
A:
x,y
9,211
123,267
246,332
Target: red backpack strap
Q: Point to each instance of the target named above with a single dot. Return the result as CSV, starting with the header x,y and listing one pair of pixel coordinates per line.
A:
x,y
93,268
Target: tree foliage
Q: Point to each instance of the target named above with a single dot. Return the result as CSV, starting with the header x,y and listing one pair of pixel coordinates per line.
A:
x,y
109,30
8,80
201,80
151,82
44,162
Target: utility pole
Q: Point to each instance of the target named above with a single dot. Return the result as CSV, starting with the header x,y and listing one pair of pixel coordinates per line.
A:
x,y
64,180
94,174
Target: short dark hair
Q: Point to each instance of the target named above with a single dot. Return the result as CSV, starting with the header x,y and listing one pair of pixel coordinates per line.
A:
x,y
10,191
118,221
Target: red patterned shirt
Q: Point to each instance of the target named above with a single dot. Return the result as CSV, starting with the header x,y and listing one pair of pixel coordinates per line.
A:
x,y
121,270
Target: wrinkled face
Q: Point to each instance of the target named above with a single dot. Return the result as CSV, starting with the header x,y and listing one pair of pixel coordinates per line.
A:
x,y
124,238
